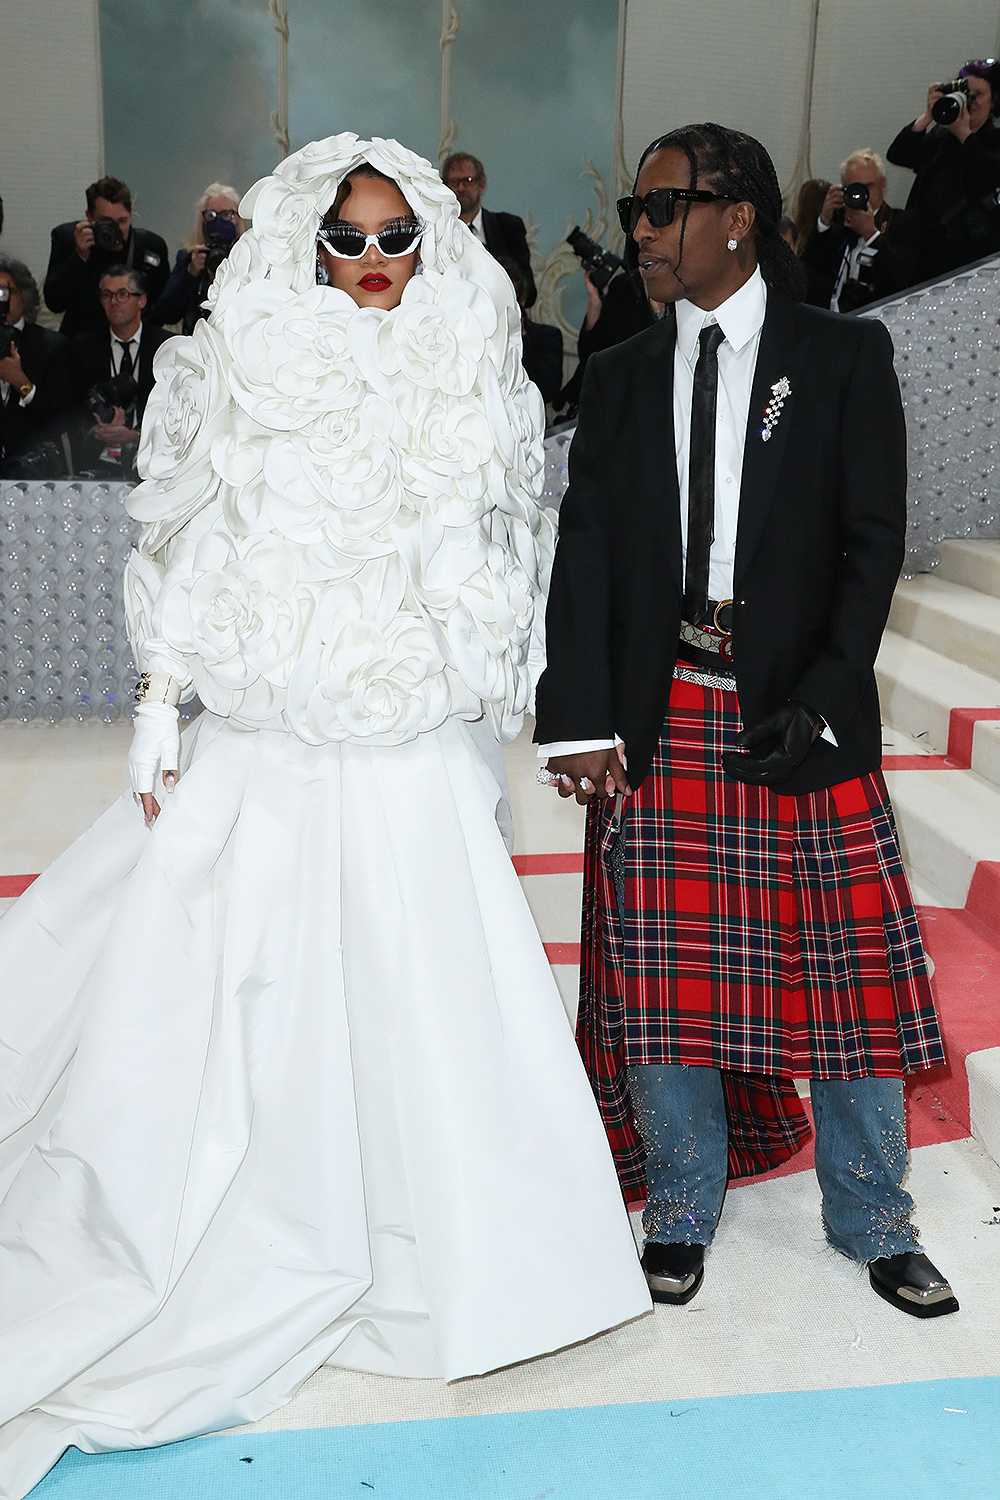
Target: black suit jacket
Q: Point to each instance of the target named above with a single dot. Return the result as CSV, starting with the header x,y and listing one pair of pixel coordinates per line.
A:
x,y
92,361
900,256
820,542
505,234
45,359
542,357
71,283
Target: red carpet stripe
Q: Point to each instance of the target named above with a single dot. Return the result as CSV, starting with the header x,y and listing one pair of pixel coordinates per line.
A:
x,y
15,885
920,763
548,864
562,953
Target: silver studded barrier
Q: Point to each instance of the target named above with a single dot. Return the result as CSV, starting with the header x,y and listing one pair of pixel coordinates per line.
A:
x,y
63,647
63,543
947,340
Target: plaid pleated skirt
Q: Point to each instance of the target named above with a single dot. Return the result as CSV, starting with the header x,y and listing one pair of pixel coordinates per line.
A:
x,y
773,937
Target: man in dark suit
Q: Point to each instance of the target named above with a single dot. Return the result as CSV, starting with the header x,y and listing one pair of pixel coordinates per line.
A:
x,y
728,549
34,377
83,251
123,348
859,254
502,234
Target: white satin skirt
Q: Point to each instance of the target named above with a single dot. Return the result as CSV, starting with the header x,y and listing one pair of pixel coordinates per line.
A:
x,y
286,1081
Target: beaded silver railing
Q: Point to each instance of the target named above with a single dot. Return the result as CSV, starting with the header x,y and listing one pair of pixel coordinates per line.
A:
x,y
63,647
947,340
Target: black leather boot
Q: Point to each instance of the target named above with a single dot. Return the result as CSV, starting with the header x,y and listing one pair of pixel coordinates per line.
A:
x,y
911,1283
674,1272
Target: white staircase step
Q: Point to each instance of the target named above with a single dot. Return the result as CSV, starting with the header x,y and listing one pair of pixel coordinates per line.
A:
x,y
975,565
983,1069
948,821
986,756
918,688
956,621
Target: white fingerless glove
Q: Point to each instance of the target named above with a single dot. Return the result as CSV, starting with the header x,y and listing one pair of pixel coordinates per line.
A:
x,y
156,745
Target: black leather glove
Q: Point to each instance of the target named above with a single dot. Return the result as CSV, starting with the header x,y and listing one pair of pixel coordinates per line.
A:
x,y
784,740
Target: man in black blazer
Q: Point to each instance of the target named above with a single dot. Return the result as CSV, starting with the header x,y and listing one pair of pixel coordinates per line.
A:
x,y
125,346
502,234
34,378
82,252
728,549
862,254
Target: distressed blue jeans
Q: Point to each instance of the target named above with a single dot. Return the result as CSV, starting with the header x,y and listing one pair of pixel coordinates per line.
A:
x,y
861,1158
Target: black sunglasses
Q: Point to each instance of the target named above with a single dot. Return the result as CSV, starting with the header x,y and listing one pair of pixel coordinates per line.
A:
x,y
658,205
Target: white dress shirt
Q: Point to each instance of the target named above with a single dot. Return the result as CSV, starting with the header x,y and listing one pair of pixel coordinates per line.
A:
x,y
118,350
5,388
741,318
476,225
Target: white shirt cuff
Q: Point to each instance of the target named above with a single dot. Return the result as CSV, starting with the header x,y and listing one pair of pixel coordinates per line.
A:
x,y
822,228
27,400
574,747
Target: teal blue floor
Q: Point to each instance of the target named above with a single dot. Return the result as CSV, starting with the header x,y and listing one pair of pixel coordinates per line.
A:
x,y
932,1440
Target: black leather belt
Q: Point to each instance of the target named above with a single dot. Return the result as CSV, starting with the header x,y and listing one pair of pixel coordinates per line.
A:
x,y
705,661
718,617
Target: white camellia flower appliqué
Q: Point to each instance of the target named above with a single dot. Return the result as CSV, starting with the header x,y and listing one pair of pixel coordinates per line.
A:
x,y
189,407
366,677
238,614
343,531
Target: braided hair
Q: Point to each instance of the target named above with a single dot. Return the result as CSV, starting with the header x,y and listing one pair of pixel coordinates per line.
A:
x,y
735,164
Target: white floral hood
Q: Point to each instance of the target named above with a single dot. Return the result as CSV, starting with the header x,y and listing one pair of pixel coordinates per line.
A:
x,y
342,529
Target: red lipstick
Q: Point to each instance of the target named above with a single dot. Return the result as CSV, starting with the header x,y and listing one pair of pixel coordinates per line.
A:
x,y
375,282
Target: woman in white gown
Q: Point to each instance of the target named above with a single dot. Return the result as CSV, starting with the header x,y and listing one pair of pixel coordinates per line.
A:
x,y
284,1076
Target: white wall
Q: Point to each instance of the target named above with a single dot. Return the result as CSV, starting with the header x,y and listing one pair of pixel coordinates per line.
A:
x,y
50,119
745,63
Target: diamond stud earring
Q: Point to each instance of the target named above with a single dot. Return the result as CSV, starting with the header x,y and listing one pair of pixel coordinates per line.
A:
x,y
731,244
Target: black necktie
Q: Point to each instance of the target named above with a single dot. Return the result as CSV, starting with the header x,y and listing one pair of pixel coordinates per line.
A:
x,y
126,367
701,474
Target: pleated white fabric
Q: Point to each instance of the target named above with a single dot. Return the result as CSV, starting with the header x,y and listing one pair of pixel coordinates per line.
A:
x,y
286,1081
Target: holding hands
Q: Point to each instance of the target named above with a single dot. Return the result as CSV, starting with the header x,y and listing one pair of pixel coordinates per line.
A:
x,y
590,773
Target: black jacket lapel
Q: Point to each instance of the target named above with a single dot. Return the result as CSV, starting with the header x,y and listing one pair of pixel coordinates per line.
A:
x,y
780,355
656,408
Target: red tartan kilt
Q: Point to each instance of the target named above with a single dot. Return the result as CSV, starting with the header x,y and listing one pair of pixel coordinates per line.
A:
x,y
770,936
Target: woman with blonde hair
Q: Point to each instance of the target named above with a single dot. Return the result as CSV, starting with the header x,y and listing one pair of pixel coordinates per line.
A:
x,y
216,228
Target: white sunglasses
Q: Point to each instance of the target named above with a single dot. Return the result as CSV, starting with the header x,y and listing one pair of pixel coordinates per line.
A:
x,y
348,242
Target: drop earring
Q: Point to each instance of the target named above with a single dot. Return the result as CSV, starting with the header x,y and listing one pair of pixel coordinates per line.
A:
x,y
731,244
322,278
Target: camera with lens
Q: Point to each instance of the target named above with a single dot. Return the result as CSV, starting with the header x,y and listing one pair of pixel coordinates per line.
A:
x,y
108,236
856,195
121,390
8,333
955,97
220,237
600,264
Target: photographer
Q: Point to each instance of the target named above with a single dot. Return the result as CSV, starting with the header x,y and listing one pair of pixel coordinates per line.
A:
x,y
84,251
34,380
113,374
861,249
954,148
617,308
217,227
